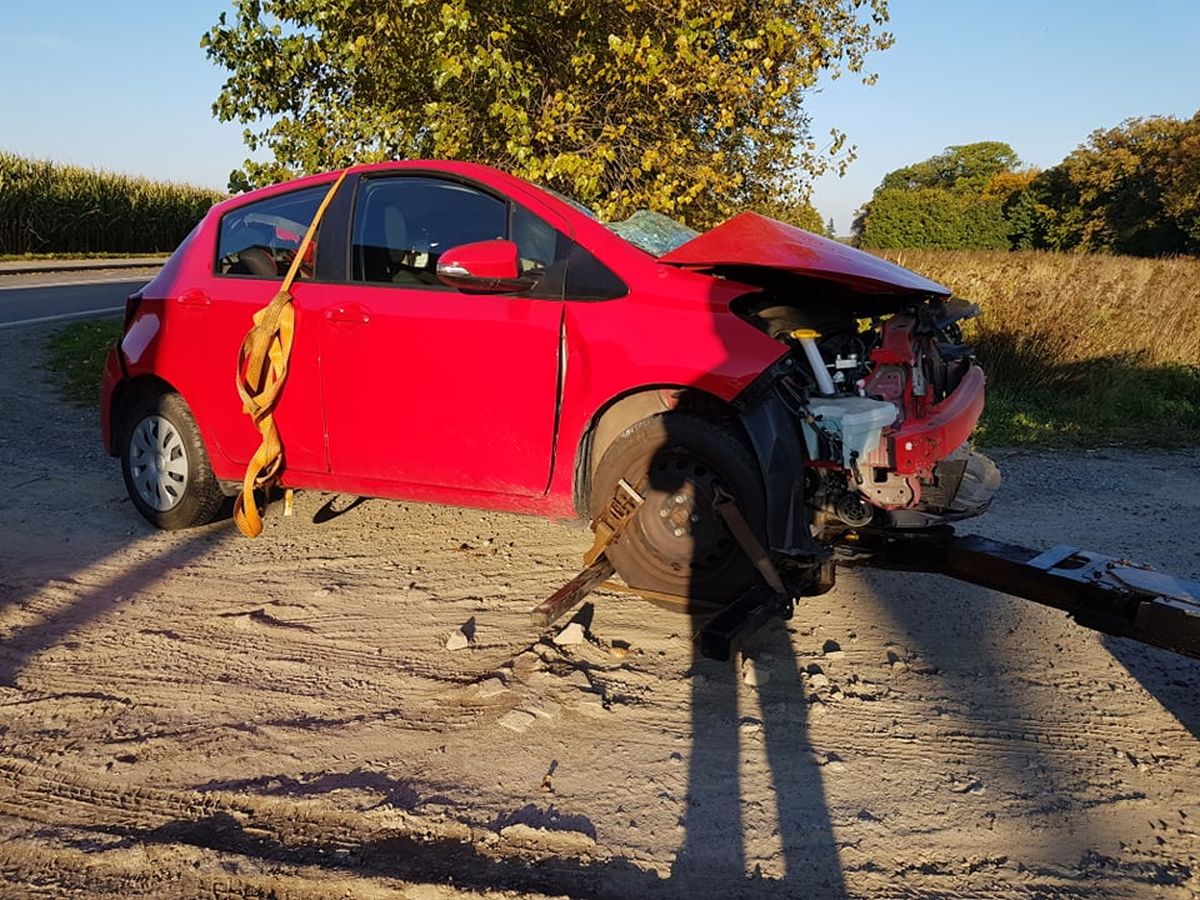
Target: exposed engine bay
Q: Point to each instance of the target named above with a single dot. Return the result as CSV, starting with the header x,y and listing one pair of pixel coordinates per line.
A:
x,y
857,381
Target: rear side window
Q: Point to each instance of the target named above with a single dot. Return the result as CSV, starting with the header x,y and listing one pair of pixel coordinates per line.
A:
x,y
260,239
402,226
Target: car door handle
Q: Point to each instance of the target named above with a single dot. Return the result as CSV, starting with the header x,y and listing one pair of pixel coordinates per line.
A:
x,y
350,313
194,299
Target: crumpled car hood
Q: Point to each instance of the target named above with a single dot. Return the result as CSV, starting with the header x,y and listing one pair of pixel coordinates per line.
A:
x,y
751,241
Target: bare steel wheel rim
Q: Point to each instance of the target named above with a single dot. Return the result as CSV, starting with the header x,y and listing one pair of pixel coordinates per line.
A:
x,y
679,525
158,463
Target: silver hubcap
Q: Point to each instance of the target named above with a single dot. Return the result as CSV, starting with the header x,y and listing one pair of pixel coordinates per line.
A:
x,y
158,462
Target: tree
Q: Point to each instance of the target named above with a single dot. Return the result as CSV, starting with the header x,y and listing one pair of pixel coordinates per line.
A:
x,y
1131,189
955,200
686,108
966,168
931,218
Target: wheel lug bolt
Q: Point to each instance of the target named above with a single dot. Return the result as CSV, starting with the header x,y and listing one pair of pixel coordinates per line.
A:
x,y
679,498
664,512
679,532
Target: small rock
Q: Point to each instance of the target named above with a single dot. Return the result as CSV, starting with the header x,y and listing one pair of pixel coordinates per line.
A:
x,y
517,720
818,682
750,726
752,676
457,640
543,709
619,649
490,687
571,635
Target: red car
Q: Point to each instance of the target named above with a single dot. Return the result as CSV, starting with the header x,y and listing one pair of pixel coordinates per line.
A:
x,y
465,337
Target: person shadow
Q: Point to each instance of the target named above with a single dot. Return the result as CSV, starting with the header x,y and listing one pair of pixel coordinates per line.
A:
x,y
754,703
713,859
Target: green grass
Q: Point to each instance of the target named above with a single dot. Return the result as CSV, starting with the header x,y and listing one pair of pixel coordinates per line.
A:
x,y
1138,406
75,358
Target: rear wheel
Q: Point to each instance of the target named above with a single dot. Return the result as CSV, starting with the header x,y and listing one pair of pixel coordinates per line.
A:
x,y
165,465
677,542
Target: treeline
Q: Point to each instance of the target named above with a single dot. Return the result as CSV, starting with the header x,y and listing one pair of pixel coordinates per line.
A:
x,y
1133,189
50,208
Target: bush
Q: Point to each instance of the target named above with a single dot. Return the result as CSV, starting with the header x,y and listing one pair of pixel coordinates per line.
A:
x,y
933,218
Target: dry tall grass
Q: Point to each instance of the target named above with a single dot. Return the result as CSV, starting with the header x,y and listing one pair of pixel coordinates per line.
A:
x,y
1054,311
1080,346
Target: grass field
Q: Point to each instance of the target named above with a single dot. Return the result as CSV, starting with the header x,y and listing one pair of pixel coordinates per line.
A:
x,y
1079,350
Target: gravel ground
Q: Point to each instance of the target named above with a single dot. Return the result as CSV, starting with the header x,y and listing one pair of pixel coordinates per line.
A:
x,y
198,714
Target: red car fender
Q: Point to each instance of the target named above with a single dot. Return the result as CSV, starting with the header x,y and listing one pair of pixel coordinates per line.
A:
x,y
616,348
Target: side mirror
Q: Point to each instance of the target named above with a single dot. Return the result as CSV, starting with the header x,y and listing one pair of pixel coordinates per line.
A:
x,y
484,267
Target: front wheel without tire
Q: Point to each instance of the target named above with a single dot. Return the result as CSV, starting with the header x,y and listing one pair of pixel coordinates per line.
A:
x,y
677,543
165,465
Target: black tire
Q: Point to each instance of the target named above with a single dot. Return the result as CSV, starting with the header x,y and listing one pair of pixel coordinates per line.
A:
x,y
175,487
676,459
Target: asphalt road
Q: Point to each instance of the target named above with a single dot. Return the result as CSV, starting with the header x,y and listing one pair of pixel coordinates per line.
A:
x,y
63,296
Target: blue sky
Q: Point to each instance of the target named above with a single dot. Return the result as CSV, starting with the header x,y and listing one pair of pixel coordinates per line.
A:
x,y
125,86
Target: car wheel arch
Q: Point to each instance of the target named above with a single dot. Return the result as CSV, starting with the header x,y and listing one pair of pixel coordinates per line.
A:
x,y
126,396
624,411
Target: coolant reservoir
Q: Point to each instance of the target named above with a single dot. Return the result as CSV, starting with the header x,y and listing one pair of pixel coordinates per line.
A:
x,y
857,421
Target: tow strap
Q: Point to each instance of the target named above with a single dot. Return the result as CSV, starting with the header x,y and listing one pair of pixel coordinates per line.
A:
x,y
262,368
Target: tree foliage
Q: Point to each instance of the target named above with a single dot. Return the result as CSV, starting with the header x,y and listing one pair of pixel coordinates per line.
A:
x,y
933,218
966,168
684,107
955,200
1132,189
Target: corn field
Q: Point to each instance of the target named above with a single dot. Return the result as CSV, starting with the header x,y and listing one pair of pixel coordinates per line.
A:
x,y
51,208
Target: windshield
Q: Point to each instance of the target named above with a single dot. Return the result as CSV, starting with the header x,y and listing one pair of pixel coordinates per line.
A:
x,y
653,232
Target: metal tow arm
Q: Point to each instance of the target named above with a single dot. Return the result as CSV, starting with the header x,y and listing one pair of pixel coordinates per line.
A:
x,y
597,567
729,627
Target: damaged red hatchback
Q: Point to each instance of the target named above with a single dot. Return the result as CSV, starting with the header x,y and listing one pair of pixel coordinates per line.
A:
x,y
465,337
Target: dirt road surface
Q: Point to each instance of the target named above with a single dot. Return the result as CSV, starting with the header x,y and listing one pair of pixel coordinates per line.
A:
x,y
196,714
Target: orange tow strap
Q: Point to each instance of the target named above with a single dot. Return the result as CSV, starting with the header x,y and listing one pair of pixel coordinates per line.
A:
x,y
262,367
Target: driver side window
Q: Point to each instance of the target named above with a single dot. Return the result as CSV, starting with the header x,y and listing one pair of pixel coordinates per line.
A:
x,y
403,225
